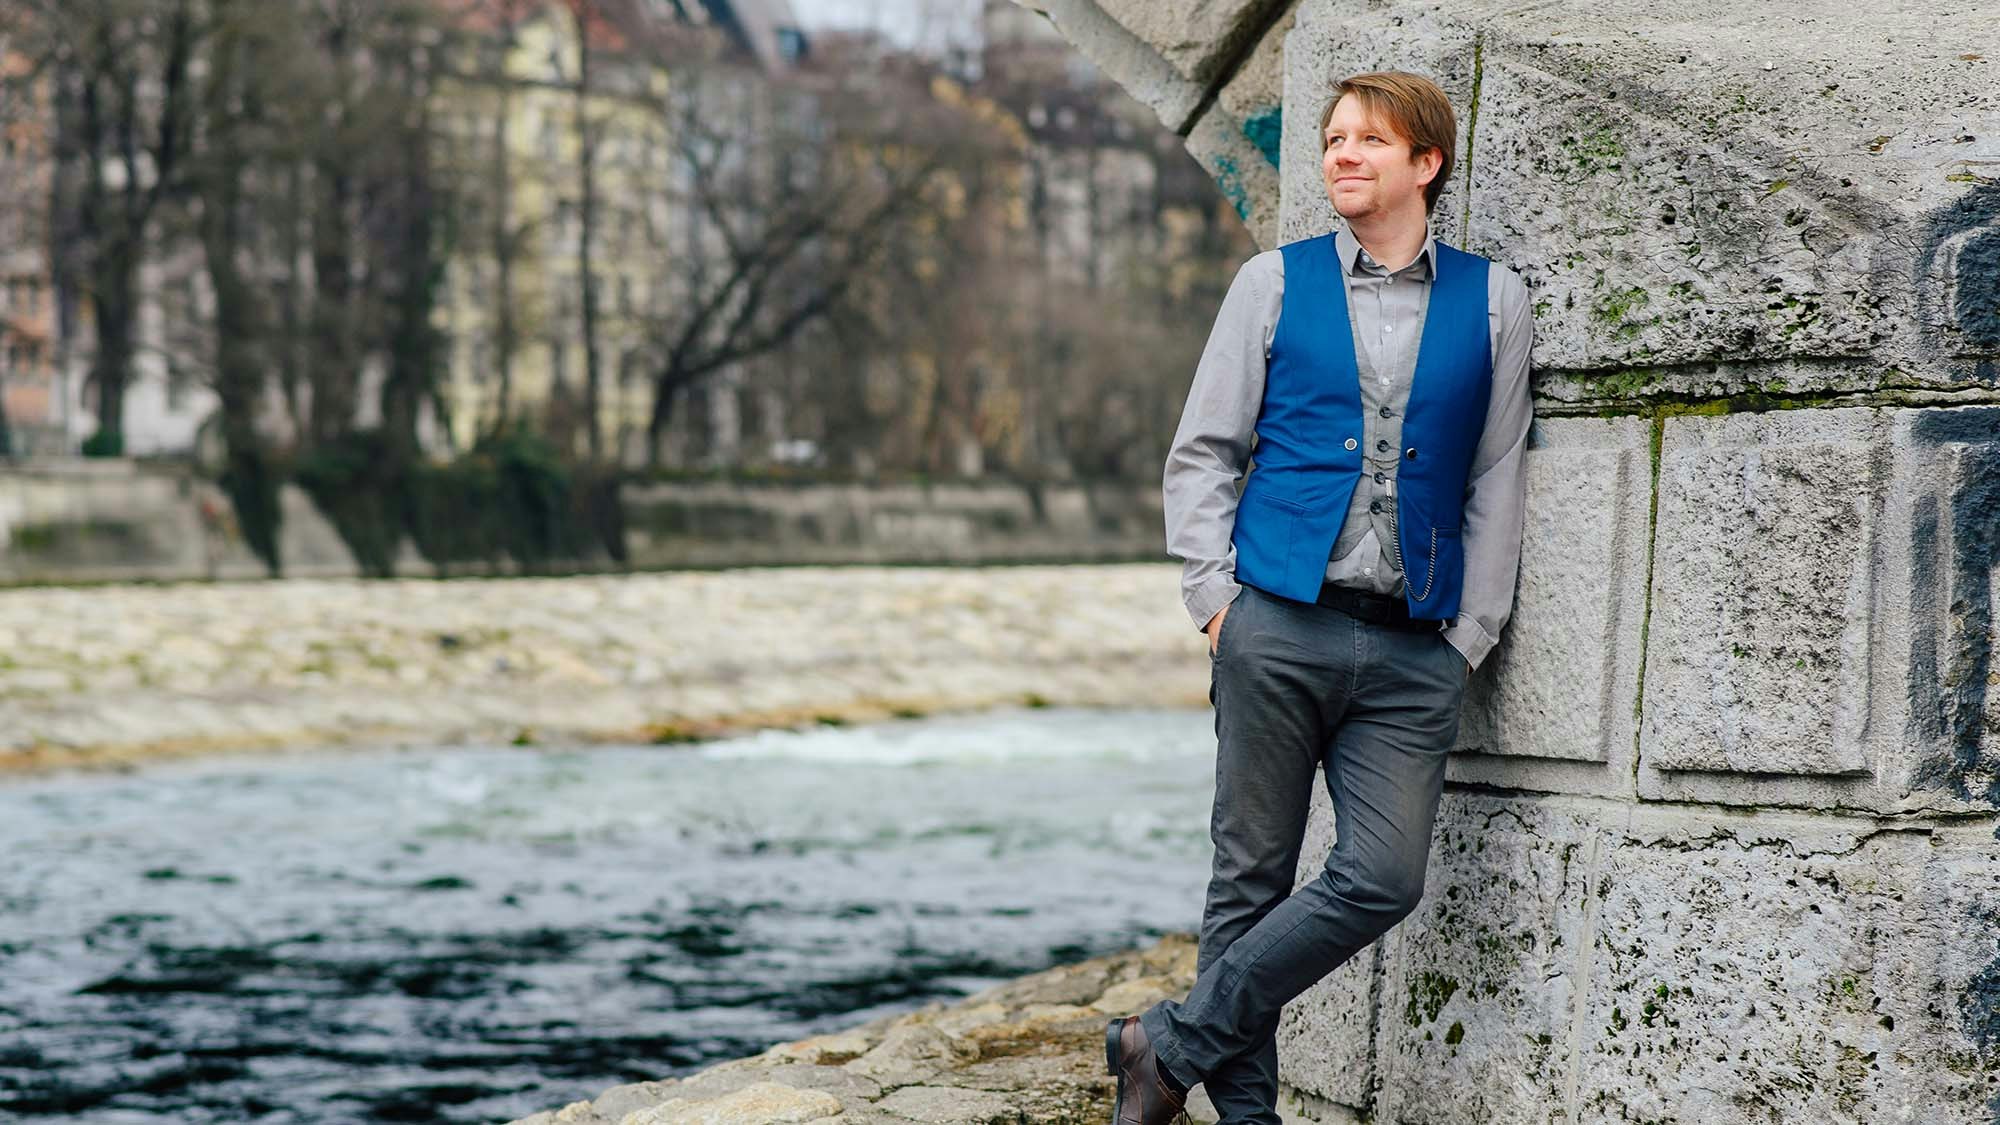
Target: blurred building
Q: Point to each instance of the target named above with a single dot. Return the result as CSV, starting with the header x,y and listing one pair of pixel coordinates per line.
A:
x,y
31,384
520,116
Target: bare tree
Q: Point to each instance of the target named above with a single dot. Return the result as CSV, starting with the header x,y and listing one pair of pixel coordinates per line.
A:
x,y
791,207
235,139
588,19
119,72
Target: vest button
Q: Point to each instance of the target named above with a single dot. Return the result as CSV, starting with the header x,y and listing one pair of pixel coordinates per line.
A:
x,y
1411,453
1351,443
1384,412
1375,506
1382,446
1379,478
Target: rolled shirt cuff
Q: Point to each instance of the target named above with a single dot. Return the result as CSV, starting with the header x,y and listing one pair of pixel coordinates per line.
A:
x,y
1471,641
1207,599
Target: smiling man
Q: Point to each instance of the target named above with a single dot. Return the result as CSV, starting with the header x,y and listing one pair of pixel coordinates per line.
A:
x,y
1366,569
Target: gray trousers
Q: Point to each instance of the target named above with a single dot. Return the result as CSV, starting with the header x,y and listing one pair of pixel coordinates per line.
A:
x,y
1298,687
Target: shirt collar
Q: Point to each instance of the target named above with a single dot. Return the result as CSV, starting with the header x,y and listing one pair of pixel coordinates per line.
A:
x,y
1349,248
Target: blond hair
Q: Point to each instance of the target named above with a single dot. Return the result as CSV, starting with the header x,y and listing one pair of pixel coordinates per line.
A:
x,y
1412,106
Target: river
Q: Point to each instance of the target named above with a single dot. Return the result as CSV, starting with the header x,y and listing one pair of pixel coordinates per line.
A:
x,y
466,934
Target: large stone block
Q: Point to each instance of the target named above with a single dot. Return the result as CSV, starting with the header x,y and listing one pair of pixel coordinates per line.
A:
x,y
1821,630
1127,59
1652,236
1702,205
1197,40
1786,969
1245,130
1559,690
1763,590
1242,171
1256,89
1583,962
1479,984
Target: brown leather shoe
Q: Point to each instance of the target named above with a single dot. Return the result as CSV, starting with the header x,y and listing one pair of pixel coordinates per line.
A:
x,y
1144,1098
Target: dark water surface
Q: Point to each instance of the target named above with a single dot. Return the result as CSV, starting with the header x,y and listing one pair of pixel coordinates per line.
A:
x,y
474,934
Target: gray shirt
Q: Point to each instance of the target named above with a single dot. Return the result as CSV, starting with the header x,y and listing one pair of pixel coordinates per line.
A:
x,y
1212,446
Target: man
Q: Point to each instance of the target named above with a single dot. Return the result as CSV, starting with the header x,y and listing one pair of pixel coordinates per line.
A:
x,y
1367,568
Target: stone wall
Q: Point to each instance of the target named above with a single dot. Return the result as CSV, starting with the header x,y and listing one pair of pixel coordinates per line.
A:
x,y
98,521
1719,843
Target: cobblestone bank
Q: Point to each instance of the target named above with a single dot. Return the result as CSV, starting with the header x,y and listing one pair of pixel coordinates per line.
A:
x,y
111,673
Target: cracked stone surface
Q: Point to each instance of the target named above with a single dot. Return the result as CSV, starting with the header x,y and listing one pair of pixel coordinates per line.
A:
x,y
1821,611
1028,1050
1582,959
1702,200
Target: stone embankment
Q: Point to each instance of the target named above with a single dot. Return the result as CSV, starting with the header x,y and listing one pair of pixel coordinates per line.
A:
x,y
1718,845
1029,1050
113,673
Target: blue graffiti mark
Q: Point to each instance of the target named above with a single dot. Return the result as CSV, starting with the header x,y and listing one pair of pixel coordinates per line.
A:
x,y
1976,310
1264,128
1978,304
1230,180
1954,548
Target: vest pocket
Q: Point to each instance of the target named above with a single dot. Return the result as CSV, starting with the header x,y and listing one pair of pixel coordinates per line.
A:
x,y
1443,553
1263,538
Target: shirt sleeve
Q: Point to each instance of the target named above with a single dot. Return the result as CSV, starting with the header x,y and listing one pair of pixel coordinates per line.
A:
x,y
1211,447
1496,494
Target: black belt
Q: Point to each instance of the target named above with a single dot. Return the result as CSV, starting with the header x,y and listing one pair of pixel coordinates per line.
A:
x,y
1376,609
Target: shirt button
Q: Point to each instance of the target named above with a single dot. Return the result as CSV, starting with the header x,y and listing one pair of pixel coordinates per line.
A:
x,y
1388,328
1382,446
1351,443
1384,382
1369,571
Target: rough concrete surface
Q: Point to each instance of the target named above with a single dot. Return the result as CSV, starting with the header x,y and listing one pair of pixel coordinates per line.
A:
x,y
1561,684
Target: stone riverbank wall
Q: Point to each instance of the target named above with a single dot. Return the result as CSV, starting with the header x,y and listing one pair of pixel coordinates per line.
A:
x,y
1719,844
104,521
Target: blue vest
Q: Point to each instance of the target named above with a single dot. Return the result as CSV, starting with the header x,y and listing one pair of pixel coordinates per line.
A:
x,y
1308,456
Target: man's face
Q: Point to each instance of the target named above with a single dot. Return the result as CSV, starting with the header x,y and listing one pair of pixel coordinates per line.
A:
x,y
1367,166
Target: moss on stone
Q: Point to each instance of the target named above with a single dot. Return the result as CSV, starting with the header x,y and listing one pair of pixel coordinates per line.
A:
x,y
1428,994
1615,310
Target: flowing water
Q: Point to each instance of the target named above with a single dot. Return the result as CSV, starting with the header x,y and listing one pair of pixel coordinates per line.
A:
x,y
472,934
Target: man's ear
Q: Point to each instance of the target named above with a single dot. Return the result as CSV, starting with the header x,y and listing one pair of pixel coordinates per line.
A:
x,y
1428,162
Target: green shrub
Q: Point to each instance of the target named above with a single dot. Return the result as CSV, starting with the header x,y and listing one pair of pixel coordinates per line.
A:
x,y
104,443
355,481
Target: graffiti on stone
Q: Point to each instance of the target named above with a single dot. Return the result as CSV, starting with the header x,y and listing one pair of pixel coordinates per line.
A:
x,y
1263,129
1958,281
1954,549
